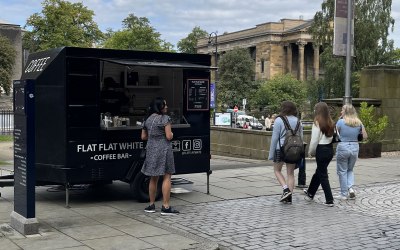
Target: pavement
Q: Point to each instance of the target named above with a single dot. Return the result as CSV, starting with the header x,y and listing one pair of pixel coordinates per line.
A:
x,y
242,211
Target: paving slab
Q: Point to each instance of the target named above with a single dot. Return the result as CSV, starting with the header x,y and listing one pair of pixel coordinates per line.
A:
x,y
48,241
242,211
171,242
125,242
91,232
142,230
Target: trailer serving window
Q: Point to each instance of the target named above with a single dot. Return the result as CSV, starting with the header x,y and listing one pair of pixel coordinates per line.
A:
x,y
127,86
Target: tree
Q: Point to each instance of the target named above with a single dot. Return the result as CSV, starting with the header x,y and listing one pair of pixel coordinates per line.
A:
x,y
236,70
61,23
136,34
189,44
7,59
281,88
372,24
396,56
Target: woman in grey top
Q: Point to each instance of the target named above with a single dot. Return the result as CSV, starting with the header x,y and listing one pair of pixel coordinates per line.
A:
x,y
159,156
289,110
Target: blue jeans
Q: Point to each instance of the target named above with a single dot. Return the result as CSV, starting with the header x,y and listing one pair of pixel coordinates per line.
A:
x,y
346,157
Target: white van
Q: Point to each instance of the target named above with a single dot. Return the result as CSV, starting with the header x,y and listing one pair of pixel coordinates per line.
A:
x,y
248,122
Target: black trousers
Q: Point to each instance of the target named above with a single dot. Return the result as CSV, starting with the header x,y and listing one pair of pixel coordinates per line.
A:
x,y
301,180
323,156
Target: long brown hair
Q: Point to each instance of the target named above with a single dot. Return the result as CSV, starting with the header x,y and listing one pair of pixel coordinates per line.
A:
x,y
323,119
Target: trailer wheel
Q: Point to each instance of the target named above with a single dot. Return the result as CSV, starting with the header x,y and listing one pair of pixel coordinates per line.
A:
x,y
140,187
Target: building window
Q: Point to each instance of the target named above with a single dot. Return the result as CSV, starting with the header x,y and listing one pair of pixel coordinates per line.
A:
x,y
262,65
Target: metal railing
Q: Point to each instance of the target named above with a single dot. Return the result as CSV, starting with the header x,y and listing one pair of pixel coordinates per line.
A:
x,y
6,122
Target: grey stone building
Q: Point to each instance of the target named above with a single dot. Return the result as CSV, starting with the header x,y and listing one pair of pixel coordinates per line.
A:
x,y
276,47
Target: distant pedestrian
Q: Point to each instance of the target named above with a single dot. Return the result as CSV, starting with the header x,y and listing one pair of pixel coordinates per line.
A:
x,y
321,147
288,110
159,156
268,123
273,117
246,124
348,127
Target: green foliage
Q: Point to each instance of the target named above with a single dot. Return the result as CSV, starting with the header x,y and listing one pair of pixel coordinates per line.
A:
x,y
136,34
396,56
375,126
236,70
332,86
7,59
61,23
189,44
4,138
281,88
372,24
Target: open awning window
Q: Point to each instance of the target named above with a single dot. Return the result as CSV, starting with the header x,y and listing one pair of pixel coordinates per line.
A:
x,y
180,65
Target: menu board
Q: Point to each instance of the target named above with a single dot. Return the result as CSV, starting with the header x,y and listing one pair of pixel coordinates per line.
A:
x,y
198,94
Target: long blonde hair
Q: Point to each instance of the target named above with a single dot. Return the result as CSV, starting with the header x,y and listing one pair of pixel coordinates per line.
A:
x,y
350,116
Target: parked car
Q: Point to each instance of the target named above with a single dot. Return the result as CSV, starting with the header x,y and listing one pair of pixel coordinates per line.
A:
x,y
255,124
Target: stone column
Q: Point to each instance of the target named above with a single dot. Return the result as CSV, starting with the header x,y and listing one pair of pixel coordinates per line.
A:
x,y
301,44
288,58
316,61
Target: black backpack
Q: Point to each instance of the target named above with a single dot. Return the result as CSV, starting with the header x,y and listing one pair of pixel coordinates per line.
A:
x,y
292,149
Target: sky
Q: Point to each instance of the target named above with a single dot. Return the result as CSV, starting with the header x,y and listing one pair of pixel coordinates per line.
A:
x,y
175,19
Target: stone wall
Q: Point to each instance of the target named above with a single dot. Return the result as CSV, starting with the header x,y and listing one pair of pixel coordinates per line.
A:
x,y
383,82
253,144
6,102
14,33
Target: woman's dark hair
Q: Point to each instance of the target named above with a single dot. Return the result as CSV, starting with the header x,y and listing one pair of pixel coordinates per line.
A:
x,y
288,108
156,106
323,118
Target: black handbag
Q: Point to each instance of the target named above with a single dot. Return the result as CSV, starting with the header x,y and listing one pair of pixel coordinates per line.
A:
x,y
360,136
142,154
336,136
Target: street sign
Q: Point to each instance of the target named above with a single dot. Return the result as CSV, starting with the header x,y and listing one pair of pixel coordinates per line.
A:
x,y
235,109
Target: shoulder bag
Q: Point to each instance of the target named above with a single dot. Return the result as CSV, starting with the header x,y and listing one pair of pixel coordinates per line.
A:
x,y
336,136
360,136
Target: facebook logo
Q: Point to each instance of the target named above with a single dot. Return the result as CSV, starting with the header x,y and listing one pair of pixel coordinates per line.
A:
x,y
186,145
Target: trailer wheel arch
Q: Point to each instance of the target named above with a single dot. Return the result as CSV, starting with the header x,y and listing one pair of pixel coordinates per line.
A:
x,y
140,187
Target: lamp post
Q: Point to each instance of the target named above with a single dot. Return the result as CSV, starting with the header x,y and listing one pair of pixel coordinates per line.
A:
x,y
213,41
347,96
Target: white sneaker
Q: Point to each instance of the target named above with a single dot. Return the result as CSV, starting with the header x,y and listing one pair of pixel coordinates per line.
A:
x,y
340,197
352,194
329,204
308,198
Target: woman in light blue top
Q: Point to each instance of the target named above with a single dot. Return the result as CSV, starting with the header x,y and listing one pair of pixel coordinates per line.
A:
x,y
348,127
289,110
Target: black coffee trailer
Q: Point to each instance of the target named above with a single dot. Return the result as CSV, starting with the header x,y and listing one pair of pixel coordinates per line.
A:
x,y
90,104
